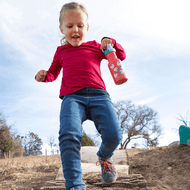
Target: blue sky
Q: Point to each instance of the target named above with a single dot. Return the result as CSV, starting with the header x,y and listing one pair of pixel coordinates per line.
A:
x,y
154,34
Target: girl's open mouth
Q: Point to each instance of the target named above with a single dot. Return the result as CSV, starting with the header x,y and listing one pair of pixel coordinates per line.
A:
x,y
76,37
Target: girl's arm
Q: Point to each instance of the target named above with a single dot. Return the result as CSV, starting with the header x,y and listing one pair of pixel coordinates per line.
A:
x,y
40,76
53,71
120,52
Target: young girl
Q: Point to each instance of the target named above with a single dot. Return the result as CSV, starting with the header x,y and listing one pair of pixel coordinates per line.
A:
x,y
84,95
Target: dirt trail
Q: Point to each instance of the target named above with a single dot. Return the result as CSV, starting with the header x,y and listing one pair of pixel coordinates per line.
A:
x,y
166,168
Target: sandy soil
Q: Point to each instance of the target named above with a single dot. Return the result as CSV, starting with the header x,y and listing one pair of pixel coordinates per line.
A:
x,y
166,168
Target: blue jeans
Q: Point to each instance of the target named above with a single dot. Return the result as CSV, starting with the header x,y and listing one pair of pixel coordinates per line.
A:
x,y
95,105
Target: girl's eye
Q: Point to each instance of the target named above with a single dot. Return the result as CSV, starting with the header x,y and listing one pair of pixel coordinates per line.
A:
x,y
80,26
69,26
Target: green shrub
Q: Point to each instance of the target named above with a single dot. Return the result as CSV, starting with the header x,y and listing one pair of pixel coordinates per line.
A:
x,y
86,141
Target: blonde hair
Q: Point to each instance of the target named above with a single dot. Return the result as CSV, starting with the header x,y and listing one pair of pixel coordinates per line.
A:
x,y
69,7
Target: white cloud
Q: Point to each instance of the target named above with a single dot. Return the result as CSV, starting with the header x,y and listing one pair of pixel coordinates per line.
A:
x,y
150,27
148,30
10,13
44,13
148,100
164,18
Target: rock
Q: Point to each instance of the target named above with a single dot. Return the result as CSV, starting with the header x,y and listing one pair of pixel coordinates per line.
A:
x,y
93,181
89,155
174,143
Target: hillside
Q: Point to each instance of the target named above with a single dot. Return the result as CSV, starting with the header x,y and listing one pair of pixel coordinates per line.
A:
x,y
163,167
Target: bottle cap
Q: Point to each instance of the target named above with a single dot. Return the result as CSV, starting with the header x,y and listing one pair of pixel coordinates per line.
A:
x,y
109,49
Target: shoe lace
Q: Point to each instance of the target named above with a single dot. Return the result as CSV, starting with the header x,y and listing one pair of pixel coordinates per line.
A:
x,y
107,165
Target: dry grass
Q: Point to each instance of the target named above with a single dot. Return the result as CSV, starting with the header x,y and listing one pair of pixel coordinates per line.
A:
x,y
28,173
29,162
131,152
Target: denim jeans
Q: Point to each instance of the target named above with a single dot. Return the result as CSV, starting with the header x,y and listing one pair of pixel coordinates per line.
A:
x,y
95,105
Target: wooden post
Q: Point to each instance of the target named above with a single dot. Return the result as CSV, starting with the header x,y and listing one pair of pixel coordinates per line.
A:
x,y
46,154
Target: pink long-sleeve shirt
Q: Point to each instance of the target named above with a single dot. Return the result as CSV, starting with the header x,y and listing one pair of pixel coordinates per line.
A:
x,y
81,66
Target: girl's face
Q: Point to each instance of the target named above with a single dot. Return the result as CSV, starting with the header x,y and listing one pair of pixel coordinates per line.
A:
x,y
74,27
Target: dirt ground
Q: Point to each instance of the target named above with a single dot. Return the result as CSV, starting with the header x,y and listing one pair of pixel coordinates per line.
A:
x,y
164,168
28,173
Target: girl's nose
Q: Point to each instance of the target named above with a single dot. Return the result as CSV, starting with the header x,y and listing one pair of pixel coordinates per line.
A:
x,y
75,29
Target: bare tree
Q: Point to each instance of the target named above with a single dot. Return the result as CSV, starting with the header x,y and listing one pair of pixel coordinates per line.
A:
x,y
32,144
138,122
51,141
18,149
2,120
184,120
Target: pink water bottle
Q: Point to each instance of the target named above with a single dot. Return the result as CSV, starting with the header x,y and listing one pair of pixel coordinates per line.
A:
x,y
115,66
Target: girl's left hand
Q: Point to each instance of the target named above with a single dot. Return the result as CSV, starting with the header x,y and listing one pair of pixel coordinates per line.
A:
x,y
105,42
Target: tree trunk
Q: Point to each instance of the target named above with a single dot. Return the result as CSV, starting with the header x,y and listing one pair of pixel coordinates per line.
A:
x,y
6,154
125,143
121,145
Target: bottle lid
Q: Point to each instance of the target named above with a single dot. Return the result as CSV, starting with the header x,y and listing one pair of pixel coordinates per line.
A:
x,y
109,49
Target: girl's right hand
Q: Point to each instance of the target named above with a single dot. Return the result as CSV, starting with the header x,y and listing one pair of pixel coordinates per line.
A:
x,y
40,76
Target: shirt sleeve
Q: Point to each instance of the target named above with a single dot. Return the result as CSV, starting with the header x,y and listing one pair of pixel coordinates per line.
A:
x,y
120,52
54,69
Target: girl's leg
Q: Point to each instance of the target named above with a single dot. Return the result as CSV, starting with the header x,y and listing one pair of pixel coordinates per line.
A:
x,y
105,118
71,117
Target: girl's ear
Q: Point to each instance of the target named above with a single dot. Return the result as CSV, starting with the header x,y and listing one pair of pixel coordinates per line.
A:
x,y
61,29
88,27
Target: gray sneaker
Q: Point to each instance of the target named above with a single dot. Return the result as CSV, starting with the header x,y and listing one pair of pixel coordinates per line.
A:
x,y
109,173
81,187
